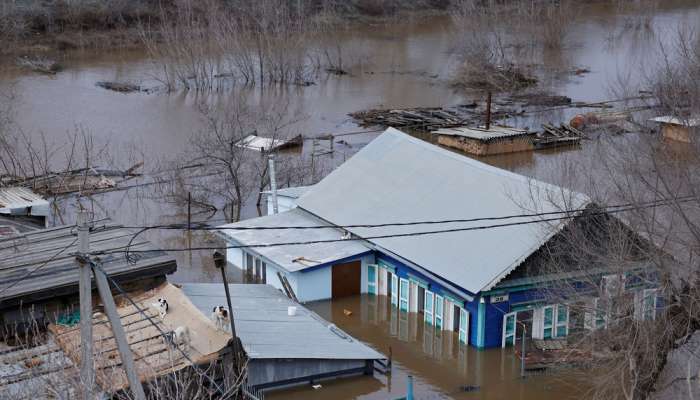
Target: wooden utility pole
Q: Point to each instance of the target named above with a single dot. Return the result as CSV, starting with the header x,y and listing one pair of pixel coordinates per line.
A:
x,y
119,334
87,368
488,111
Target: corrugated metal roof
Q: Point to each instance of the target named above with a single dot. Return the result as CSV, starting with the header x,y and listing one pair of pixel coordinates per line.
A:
x,y
291,192
495,132
13,199
677,121
266,331
285,256
398,178
25,252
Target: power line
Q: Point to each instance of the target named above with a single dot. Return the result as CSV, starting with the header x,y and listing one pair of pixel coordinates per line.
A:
x,y
408,234
206,227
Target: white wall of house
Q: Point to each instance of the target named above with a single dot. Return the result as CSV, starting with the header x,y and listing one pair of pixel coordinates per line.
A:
x,y
313,285
284,203
234,257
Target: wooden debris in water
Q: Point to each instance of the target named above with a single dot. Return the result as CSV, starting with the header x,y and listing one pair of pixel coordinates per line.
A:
x,y
263,144
552,136
121,87
40,64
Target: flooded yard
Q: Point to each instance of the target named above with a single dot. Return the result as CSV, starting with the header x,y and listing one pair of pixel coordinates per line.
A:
x,y
443,368
402,64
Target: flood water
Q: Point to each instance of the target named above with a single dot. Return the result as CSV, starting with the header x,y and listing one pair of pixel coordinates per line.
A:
x,y
407,64
442,367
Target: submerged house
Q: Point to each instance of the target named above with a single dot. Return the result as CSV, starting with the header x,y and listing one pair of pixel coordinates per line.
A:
x,y
678,129
478,282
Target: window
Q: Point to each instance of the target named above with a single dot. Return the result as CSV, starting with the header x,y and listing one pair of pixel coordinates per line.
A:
x,y
649,304
548,323
403,295
394,290
249,266
509,330
562,325
428,310
463,325
372,279
438,311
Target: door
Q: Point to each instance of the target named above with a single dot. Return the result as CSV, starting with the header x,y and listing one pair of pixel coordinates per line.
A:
x,y
403,294
428,309
347,279
562,325
463,325
439,304
413,297
383,290
394,290
372,279
509,321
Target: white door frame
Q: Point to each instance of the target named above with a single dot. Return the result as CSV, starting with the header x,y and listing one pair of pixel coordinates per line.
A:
x,y
439,316
413,297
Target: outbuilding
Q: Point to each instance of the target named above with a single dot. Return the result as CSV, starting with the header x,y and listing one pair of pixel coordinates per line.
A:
x,y
679,129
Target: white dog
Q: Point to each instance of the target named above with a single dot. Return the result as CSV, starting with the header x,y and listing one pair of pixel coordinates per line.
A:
x,y
179,337
221,318
161,306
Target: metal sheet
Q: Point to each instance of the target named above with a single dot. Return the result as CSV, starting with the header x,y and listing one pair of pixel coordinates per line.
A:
x,y
267,331
398,178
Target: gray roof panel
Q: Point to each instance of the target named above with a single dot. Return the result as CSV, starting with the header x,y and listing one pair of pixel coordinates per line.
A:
x,y
398,178
266,331
294,257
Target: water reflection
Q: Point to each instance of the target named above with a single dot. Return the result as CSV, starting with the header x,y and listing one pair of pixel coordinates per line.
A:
x,y
445,367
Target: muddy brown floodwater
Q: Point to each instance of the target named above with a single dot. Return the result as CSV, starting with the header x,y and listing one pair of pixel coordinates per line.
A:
x,y
442,367
408,64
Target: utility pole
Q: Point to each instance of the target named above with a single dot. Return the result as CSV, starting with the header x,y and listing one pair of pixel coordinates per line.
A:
x,y
273,184
87,368
488,111
220,262
118,331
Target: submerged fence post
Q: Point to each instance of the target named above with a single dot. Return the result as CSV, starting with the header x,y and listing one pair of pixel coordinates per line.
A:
x,y
488,111
409,390
189,211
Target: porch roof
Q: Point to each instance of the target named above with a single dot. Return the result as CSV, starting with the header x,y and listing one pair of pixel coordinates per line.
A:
x,y
293,257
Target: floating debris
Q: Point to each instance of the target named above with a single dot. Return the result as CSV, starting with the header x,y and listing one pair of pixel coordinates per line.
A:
x,y
121,87
263,144
40,64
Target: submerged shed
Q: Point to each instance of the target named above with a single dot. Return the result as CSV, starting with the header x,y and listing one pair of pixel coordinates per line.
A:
x,y
19,201
484,142
286,344
678,129
263,144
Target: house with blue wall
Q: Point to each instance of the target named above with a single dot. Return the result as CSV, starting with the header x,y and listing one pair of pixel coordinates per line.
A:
x,y
452,238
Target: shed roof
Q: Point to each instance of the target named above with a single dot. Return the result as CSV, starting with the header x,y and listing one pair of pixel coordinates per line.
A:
x,y
398,178
267,331
293,257
688,122
291,192
152,356
57,274
495,132
14,199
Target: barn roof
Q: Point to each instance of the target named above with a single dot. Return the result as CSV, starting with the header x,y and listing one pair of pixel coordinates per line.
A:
x,y
398,178
267,331
50,254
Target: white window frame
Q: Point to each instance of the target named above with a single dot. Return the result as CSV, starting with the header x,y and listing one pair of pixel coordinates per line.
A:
x,y
372,284
647,293
438,315
404,294
463,329
383,281
413,297
558,324
395,290
504,334
551,324
428,311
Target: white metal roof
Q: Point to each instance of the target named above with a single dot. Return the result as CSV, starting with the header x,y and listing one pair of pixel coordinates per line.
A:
x,y
291,192
266,331
293,257
398,178
259,143
677,121
481,133
16,200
